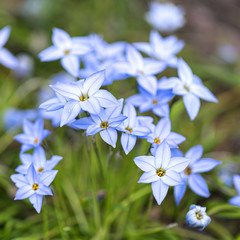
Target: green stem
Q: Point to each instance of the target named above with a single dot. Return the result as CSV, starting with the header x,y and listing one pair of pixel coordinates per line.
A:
x,y
45,222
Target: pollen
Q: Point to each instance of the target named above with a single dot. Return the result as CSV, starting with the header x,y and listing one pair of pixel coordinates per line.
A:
x,y
187,171
160,172
35,186
157,141
155,102
199,215
84,98
36,140
104,125
40,169
129,129
186,88
66,52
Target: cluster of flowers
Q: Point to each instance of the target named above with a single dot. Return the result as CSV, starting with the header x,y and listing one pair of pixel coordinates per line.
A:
x,y
82,104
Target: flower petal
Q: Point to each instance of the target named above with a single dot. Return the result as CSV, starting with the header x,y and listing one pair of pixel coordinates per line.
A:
x,y
71,64
145,163
162,156
128,142
159,189
109,136
198,185
192,104
204,165
149,177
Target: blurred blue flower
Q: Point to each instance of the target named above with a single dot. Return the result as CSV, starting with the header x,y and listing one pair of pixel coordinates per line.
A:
x,y
13,118
236,200
33,186
141,68
67,49
105,122
131,129
197,217
227,53
166,17
81,95
33,134
190,87
162,133
162,49
6,58
157,102
162,170
191,174
38,159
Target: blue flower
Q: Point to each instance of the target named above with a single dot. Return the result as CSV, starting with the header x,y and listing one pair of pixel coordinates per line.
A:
x,y
38,159
105,122
166,17
162,49
157,101
33,134
190,87
33,186
131,129
6,58
67,49
236,200
162,170
197,217
162,133
81,95
191,174
141,68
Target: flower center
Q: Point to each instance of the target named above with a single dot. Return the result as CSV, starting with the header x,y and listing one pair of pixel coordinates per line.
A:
x,y
160,172
187,171
157,141
199,215
186,88
84,98
104,125
155,102
35,140
35,186
66,52
129,129
40,169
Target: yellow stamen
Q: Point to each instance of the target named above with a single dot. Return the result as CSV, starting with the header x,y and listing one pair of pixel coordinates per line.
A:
x,y
36,140
35,186
187,171
104,125
186,88
40,169
66,52
160,172
129,129
155,102
84,98
157,141
199,215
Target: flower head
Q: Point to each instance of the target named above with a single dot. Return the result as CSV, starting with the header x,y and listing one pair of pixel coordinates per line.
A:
x,y
236,182
6,58
33,134
33,186
191,174
67,49
197,217
161,170
166,17
190,87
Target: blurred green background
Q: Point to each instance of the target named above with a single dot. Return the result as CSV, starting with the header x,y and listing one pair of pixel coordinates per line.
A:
x,y
89,203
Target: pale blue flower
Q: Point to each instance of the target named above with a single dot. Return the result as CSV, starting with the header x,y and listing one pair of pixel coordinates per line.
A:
x,y
162,49
33,186
161,170
143,69
33,134
81,95
197,217
131,129
191,174
105,122
236,200
67,49
157,101
166,17
190,87
24,67
39,161
6,58
162,133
